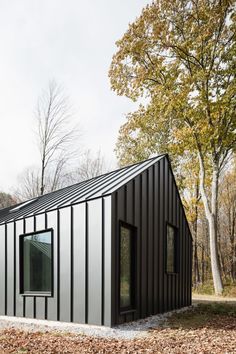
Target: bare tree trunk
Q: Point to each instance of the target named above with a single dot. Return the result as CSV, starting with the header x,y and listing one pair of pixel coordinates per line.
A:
x,y
215,265
203,264
232,228
42,177
196,265
221,257
211,211
233,257
234,264
195,228
208,272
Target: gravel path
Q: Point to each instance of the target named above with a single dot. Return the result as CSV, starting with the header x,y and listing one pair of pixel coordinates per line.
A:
x,y
129,330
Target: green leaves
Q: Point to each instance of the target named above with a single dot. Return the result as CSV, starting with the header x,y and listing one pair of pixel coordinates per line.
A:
x,y
181,55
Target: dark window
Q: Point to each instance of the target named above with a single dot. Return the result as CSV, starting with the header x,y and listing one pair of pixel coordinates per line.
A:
x,y
171,245
127,267
36,262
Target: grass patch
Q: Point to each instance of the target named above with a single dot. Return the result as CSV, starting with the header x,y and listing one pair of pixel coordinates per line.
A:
x,y
230,289
205,289
217,308
208,289
202,315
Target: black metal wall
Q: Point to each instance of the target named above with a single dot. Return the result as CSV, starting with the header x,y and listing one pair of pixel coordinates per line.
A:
x,y
148,202
82,265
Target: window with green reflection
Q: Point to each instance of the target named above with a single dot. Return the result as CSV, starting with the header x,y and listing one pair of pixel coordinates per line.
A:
x,y
171,249
36,262
127,267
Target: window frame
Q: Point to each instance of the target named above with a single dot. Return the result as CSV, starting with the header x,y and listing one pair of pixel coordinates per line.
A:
x,y
176,249
133,302
21,265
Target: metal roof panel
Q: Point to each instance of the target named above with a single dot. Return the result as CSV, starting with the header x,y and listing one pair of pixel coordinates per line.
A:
x,y
80,192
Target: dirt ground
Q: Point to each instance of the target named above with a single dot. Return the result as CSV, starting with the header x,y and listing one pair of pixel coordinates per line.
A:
x,y
206,328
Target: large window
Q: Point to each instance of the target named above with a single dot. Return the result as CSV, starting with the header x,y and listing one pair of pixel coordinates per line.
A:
x,y
127,267
171,249
36,251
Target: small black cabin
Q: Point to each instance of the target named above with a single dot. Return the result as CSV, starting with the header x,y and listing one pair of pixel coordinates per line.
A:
x,y
105,251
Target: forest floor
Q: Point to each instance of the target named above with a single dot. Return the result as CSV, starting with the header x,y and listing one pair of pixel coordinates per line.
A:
x,y
203,328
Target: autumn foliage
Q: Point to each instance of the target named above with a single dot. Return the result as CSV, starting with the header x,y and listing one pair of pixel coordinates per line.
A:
x,y
178,60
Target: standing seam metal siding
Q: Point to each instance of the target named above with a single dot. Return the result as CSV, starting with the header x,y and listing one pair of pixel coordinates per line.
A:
x,y
82,265
148,202
86,247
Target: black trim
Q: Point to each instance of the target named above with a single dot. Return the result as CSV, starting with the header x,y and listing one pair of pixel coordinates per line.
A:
x,y
140,242
34,298
71,264
58,266
147,240
6,271
14,267
128,312
52,275
132,307
21,265
103,262
86,260
34,307
24,302
176,248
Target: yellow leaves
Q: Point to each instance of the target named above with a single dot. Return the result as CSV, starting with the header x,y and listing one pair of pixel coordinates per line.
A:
x,y
170,30
181,138
181,55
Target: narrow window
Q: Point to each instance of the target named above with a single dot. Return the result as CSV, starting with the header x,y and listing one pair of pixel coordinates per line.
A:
x,y
171,245
127,267
36,263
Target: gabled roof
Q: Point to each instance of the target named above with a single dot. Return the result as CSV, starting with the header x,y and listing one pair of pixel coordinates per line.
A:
x,y
4,211
100,186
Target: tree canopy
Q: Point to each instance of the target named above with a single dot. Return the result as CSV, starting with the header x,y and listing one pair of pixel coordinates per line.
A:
x,y
179,58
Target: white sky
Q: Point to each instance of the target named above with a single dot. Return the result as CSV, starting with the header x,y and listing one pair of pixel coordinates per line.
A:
x,y
73,42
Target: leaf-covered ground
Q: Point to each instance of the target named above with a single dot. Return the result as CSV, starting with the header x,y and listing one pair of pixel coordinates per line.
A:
x,y
205,329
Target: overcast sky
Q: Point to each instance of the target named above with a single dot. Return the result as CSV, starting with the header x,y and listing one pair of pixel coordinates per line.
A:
x,y
71,41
